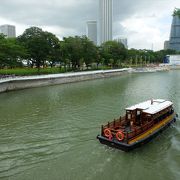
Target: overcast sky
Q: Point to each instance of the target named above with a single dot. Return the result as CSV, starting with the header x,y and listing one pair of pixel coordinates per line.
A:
x,y
143,22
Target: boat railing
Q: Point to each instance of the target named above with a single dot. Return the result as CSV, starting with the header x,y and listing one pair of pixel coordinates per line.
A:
x,y
136,130
116,123
120,123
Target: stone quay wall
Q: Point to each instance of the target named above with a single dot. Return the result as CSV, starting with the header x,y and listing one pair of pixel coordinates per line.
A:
x,y
17,83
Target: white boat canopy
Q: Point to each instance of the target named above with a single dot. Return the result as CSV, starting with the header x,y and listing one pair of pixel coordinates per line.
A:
x,y
151,106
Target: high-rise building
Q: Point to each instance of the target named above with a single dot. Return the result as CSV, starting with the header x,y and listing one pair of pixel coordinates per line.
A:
x,y
105,20
124,41
166,45
8,30
91,31
174,42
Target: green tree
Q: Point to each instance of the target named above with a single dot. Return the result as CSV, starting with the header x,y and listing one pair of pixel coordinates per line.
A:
x,y
11,53
41,46
89,51
99,59
176,12
72,50
78,50
113,50
54,48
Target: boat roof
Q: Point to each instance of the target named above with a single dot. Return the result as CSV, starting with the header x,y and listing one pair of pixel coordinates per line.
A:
x,y
151,106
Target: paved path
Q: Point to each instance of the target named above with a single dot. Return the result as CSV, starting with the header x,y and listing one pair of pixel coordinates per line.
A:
x,y
62,75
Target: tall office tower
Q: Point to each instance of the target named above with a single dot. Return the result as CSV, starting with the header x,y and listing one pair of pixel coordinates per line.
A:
x,y
91,31
124,41
174,42
166,45
105,20
8,30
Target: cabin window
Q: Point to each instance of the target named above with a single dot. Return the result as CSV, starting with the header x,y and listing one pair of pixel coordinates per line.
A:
x,y
149,117
138,113
129,116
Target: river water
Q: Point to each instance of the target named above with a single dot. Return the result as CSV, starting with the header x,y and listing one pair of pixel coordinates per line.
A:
x,y
49,133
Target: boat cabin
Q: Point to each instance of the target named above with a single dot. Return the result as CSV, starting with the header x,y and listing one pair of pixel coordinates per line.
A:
x,y
142,113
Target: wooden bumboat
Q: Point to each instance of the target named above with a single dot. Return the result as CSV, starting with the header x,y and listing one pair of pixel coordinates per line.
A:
x,y
141,124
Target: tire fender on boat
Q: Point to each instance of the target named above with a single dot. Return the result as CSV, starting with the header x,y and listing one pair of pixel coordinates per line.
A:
x,y
108,134
119,135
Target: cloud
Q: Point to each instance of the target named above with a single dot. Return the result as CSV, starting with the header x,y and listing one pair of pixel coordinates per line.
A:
x,y
69,14
142,32
143,22
147,22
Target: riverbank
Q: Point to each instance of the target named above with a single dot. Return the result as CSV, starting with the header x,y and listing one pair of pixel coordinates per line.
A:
x,y
17,83
50,133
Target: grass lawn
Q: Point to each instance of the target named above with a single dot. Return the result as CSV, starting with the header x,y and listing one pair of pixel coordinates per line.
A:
x,y
30,71
54,70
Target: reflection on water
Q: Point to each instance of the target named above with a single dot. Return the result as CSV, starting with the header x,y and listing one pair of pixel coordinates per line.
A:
x,y
50,132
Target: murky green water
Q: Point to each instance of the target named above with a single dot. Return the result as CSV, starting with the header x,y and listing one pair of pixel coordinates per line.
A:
x,y
49,133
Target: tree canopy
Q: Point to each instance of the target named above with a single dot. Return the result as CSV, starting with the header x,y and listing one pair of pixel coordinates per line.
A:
x,y
78,50
41,48
11,53
176,12
113,53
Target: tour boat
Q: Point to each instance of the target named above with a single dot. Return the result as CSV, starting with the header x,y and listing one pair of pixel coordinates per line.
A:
x,y
141,123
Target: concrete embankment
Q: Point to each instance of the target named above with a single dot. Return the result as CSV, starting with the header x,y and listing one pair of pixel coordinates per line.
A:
x,y
16,83
150,69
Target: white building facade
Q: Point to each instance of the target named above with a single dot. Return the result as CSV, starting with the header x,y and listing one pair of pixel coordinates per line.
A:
x,y
166,45
91,31
105,20
8,30
172,59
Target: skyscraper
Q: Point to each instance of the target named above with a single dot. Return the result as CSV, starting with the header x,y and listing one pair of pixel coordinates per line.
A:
x,y
91,31
8,30
105,20
174,42
166,45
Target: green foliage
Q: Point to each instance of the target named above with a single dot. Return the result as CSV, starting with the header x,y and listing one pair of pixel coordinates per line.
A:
x,y
11,52
176,12
30,71
143,56
159,55
72,50
43,49
113,53
78,50
89,52
41,46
